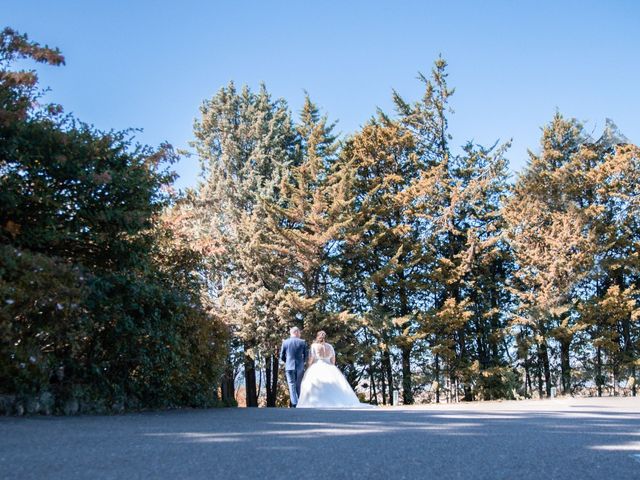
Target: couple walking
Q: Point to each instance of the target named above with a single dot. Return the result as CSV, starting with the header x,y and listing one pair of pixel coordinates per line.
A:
x,y
321,384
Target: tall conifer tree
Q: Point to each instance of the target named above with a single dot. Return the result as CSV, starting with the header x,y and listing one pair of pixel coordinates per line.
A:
x,y
246,143
383,247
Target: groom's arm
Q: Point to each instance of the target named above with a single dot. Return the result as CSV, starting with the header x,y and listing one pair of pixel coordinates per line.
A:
x,y
283,353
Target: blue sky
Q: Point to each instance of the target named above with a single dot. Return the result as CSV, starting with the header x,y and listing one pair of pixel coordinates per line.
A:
x,y
149,64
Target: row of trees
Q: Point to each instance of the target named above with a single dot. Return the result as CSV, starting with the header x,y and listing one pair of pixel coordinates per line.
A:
x,y
101,307
431,272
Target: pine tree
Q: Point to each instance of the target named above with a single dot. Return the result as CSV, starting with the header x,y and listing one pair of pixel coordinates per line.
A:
x,y
308,229
549,230
383,248
483,266
431,194
457,199
307,216
246,143
610,307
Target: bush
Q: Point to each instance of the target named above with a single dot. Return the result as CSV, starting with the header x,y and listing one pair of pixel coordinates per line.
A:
x,y
76,342
101,309
43,321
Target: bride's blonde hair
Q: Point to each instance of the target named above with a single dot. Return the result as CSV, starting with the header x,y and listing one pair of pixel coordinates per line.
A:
x,y
320,336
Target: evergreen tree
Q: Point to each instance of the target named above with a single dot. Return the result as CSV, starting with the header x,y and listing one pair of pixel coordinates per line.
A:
x,y
610,298
246,143
457,199
91,318
549,233
427,121
383,248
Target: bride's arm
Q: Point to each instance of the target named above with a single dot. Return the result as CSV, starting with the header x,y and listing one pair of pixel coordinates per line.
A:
x,y
333,355
312,356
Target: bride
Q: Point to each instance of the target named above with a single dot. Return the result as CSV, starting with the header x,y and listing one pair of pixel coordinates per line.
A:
x,y
323,385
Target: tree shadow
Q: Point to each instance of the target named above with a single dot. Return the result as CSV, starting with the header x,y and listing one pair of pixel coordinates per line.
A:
x,y
475,442
484,444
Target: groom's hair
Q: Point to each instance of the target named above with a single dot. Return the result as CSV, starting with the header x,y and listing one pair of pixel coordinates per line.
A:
x,y
294,330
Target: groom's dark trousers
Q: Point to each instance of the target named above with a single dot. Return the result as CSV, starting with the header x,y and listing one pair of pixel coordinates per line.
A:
x,y
294,355
294,379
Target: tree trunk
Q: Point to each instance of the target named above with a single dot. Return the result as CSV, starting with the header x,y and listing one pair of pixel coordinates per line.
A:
x,y
437,369
456,390
386,362
527,378
599,376
463,358
565,366
539,372
227,384
272,380
544,352
407,392
274,377
373,393
251,391
629,353
384,386
260,377
267,373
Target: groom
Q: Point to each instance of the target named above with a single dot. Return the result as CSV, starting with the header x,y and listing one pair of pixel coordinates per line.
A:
x,y
294,355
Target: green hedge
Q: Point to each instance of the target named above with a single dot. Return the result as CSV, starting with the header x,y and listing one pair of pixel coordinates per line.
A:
x,y
100,309
75,342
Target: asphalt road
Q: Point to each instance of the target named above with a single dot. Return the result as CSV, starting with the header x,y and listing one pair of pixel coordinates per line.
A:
x,y
556,439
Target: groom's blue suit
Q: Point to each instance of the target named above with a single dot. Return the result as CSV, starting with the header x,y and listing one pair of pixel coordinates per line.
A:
x,y
294,354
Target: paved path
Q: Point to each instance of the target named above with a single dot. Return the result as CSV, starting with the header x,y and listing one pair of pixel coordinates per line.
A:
x,y
556,439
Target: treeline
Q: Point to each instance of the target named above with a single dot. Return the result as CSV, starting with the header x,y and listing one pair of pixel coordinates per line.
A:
x,y
433,274
101,308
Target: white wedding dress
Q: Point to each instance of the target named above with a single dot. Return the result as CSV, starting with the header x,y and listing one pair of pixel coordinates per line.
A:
x,y
323,385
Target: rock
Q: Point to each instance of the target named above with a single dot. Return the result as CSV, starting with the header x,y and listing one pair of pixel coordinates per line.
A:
x,y
7,404
71,407
32,405
19,409
133,403
117,406
99,407
46,403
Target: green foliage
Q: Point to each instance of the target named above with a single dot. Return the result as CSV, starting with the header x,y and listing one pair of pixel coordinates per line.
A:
x,y
101,308
246,142
431,273
422,263
43,318
572,227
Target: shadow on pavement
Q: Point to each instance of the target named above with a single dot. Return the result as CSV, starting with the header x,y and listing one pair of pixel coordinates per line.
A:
x,y
476,443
